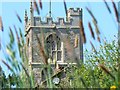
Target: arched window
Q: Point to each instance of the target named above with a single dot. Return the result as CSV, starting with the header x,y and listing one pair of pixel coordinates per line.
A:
x,y
54,47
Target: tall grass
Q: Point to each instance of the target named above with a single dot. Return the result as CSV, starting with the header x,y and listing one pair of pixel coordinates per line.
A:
x,y
100,70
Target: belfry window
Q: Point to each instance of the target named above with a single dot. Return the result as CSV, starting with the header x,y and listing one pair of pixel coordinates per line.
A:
x,y
54,47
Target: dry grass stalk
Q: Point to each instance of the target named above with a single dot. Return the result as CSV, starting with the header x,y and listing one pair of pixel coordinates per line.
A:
x,y
18,40
68,47
106,70
1,24
115,10
7,65
96,27
93,48
108,8
18,18
0,44
82,33
26,72
65,6
83,82
90,12
40,3
42,36
36,6
76,41
42,52
91,30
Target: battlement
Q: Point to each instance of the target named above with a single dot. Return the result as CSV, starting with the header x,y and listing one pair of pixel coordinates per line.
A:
x,y
74,15
49,21
72,11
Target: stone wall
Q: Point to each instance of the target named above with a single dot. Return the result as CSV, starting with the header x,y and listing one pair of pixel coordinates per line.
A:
x,y
65,30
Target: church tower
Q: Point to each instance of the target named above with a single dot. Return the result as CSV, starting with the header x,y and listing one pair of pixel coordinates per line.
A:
x,y
58,37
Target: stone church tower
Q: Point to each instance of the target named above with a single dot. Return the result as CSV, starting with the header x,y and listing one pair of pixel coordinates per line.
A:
x,y
55,34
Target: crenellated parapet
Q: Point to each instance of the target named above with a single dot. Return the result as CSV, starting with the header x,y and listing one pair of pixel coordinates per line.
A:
x,y
74,12
49,21
74,15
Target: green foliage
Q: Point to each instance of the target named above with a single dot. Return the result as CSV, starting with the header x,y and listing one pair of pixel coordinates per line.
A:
x,y
91,74
99,71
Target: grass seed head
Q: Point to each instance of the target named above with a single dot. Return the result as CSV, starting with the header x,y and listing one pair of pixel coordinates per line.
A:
x,y
20,20
98,38
36,7
1,24
91,30
42,52
96,27
108,8
65,6
90,12
40,3
115,10
106,70
82,33
93,47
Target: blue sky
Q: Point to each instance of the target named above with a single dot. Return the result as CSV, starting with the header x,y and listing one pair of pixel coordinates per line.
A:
x,y
106,22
